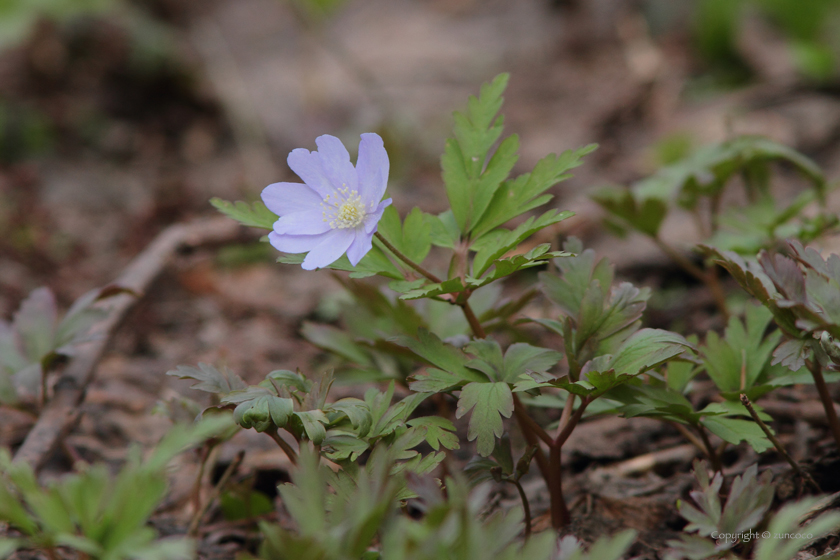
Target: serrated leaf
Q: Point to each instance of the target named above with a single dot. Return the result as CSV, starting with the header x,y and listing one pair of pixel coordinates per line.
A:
x,y
525,193
439,431
412,238
792,354
357,411
643,214
469,184
434,351
735,431
336,341
443,230
519,358
211,379
507,241
647,349
252,215
736,362
488,402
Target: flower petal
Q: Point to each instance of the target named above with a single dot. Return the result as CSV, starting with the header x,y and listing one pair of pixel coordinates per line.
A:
x,y
360,247
334,243
372,167
308,167
295,243
372,219
309,222
336,163
286,198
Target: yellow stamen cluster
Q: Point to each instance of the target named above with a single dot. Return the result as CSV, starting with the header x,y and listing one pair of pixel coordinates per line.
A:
x,y
344,209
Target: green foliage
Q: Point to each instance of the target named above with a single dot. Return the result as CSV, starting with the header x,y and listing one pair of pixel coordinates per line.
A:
x,y
599,316
749,499
723,529
740,362
94,512
801,293
480,194
345,429
412,238
791,520
36,339
251,215
705,174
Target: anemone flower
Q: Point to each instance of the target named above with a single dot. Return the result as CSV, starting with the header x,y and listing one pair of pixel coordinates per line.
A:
x,y
337,208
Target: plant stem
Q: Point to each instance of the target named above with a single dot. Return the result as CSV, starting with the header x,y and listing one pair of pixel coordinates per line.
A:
x,y
193,530
475,324
777,444
522,415
406,260
570,425
825,397
196,490
290,453
707,277
710,451
525,506
567,413
689,436
560,516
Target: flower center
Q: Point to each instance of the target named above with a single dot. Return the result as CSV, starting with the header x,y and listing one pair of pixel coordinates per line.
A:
x,y
344,209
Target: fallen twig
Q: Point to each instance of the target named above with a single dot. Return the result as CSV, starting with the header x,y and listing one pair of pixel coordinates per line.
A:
x,y
62,411
777,444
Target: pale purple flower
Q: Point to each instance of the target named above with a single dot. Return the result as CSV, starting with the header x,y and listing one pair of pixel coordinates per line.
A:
x,y
339,206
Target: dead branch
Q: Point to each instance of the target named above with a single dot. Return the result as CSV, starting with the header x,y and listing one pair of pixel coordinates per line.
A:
x,y
62,411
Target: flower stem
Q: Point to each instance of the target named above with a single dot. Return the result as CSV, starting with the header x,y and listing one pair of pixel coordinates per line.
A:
x,y
745,400
475,324
710,450
406,260
825,397
525,506
290,453
217,491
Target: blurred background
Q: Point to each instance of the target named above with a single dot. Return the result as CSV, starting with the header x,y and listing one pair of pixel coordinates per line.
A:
x,y
120,117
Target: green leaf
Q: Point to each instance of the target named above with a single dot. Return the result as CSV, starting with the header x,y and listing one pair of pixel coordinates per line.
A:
x,y
357,411
643,214
444,356
706,172
469,185
735,431
264,412
439,431
736,362
211,379
313,423
518,359
525,193
790,521
647,349
501,244
488,402
443,230
336,341
413,238
253,215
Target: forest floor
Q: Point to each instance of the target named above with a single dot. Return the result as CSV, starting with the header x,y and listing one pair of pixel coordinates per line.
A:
x,y
135,149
